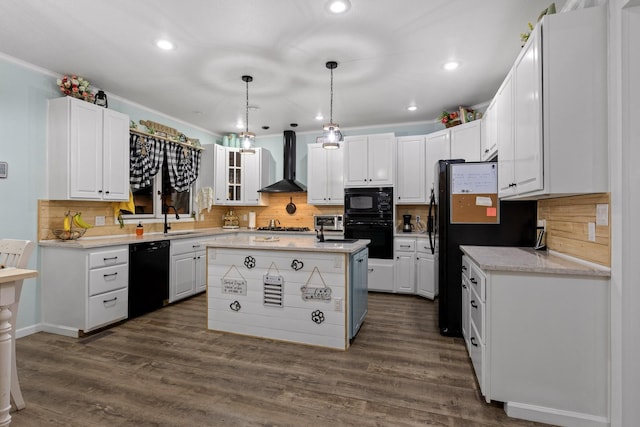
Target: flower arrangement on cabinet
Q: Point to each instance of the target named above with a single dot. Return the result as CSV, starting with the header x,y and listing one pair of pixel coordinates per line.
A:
x,y
76,87
450,119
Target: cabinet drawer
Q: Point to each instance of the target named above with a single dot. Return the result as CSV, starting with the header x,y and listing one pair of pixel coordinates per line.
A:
x,y
186,246
108,308
108,279
423,246
477,313
110,257
405,245
477,354
477,279
466,267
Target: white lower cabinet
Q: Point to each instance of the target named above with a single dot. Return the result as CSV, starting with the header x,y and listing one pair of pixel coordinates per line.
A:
x,y
187,269
380,277
414,267
83,290
425,270
539,342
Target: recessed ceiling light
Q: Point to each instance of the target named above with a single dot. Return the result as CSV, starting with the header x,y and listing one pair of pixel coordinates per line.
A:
x,y
165,45
412,108
240,125
450,66
338,6
319,117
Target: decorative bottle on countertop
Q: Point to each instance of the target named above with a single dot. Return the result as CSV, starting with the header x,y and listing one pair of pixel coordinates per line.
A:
x,y
139,229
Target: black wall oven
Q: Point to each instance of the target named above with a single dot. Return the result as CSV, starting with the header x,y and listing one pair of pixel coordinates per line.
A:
x,y
368,214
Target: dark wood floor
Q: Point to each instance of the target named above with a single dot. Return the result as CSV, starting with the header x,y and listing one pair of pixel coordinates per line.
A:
x,y
166,369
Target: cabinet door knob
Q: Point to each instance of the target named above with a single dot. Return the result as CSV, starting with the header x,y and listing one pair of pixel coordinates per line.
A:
x,y
473,280
473,303
473,341
486,150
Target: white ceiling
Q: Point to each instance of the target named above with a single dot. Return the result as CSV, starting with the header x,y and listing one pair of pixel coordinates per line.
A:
x,y
390,55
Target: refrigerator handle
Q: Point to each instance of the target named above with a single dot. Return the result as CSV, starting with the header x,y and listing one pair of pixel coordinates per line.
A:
x,y
430,221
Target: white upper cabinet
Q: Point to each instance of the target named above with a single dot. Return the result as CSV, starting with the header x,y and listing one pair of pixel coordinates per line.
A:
x,y
411,177
560,109
369,161
503,108
238,176
489,137
87,152
325,175
465,141
437,149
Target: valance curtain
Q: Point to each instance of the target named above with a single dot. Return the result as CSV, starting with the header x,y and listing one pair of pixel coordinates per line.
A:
x,y
145,160
146,155
183,164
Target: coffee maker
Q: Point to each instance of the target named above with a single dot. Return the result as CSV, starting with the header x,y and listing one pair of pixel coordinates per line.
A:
x,y
407,227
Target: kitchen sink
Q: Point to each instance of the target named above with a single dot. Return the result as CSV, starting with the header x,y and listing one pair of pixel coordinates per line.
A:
x,y
340,240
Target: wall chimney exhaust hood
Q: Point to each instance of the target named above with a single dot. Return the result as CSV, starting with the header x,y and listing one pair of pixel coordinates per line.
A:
x,y
288,184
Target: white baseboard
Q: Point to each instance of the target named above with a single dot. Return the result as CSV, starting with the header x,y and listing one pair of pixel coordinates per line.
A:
x,y
33,329
60,330
554,416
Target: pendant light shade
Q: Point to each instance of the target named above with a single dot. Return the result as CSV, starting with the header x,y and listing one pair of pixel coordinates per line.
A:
x,y
247,139
331,135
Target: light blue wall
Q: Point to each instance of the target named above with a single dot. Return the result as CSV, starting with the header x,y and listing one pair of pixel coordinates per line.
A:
x,y
24,91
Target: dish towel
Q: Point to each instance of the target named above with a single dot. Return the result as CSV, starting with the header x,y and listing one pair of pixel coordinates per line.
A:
x,y
125,206
204,199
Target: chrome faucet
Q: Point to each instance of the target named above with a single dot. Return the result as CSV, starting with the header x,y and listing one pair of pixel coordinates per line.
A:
x,y
320,236
167,226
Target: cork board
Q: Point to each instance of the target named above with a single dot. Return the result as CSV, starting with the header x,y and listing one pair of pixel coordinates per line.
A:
x,y
475,208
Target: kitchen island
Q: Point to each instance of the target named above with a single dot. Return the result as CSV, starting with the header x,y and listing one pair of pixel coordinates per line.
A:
x,y
287,288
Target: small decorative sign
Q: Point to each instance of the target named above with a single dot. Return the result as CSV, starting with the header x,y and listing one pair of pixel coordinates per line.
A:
x,y
233,285
315,292
273,291
235,306
317,316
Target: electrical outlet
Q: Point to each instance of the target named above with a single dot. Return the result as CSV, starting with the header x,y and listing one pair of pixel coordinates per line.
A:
x,y
591,230
418,219
100,219
602,214
244,217
337,304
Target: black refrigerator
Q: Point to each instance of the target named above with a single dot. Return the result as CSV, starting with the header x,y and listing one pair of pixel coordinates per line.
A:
x,y
465,210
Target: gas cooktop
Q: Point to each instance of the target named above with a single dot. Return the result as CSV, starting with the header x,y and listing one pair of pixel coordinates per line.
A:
x,y
283,228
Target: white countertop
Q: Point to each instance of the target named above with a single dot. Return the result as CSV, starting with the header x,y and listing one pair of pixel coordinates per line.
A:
x,y
280,242
531,261
127,239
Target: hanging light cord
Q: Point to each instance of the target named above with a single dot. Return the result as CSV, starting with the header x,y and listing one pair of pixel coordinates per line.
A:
x,y
331,102
247,109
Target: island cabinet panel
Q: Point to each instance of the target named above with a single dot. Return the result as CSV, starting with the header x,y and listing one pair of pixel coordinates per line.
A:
x,y
258,292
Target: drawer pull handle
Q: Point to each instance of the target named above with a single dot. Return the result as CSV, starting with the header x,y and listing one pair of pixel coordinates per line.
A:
x,y
405,246
473,280
109,300
110,274
195,246
370,270
464,268
110,258
473,303
473,341
360,260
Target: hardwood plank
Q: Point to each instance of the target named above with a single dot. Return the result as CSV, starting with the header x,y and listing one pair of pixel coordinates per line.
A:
x,y
166,369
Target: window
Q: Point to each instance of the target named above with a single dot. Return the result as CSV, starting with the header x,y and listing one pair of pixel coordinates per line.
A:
x,y
151,201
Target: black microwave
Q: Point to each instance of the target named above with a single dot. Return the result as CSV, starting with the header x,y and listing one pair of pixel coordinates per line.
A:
x,y
370,201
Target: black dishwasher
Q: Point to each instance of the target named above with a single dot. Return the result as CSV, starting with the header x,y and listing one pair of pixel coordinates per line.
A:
x,y
148,277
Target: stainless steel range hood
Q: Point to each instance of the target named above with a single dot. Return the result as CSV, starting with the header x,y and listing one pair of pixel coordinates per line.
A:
x,y
288,184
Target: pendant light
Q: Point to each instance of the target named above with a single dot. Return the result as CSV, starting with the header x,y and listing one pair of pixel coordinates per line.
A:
x,y
247,139
331,135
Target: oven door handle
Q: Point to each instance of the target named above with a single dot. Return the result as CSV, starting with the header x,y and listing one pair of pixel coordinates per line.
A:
x,y
368,224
